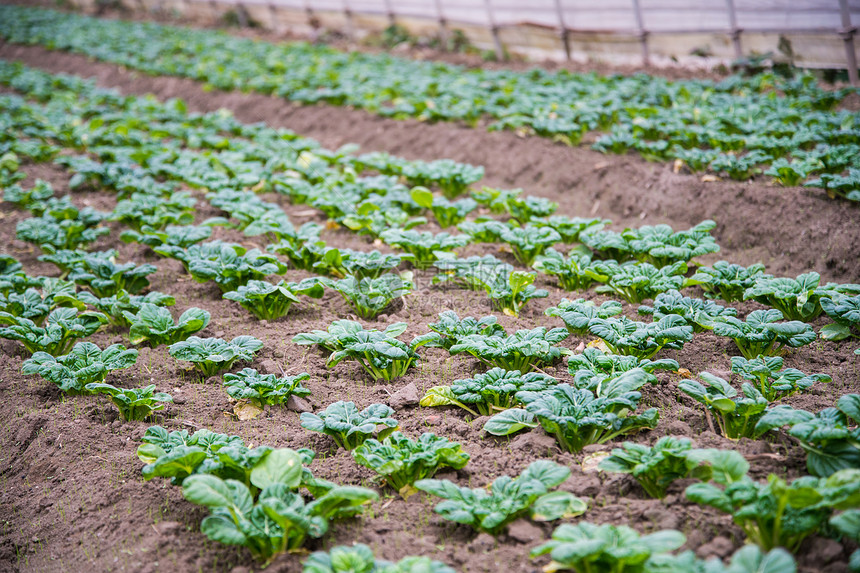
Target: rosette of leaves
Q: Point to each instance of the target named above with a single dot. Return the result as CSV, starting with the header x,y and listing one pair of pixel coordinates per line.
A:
x,y
154,324
524,209
634,282
640,339
845,312
607,245
62,327
132,403
472,273
213,355
736,414
507,499
578,314
381,356
369,297
269,302
116,305
359,557
451,177
837,185
495,199
661,246
774,382
400,462
85,363
527,243
425,247
727,281
234,266
670,459
593,367
796,299
761,334
698,313
370,219
28,198
487,393
208,250
64,259
179,236
450,329
523,350
447,213
831,437
37,304
349,427
510,294
572,272
368,265
777,513
570,227
99,273
483,230
585,547
580,417
278,520
155,211
341,332
263,390
61,225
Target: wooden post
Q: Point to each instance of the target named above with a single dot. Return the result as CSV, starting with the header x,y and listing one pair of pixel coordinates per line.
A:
x,y
643,34
735,31
350,29
847,32
309,12
494,28
390,13
562,29
443,26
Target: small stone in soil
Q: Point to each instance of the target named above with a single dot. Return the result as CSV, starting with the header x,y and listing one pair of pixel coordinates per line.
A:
x,y
406,396
433,420
718,547
524,531
296,404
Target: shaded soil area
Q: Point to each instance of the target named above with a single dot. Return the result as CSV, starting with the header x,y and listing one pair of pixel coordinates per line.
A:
x,y
71,494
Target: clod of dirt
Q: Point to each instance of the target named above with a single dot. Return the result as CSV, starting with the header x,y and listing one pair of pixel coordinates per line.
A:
x,y
535,443
524,531
718,547
406,396
299,405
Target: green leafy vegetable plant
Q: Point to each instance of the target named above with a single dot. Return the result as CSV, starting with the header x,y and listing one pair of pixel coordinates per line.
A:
x,y
62,327
400,462
523,350
634,282
524,209
349,427
572,272
85,363
368,265
796,299
661,246
578,314
483,230
527,243
736,414
845,312
777,513
761,334
116,305
593,367
570,227
232,266
507,499
269,302
359,557
213,355
381,356
425,247
641,339
698,313
831,438
133,403
727,281
446,213
342,332
99,273
264,389
579,417
369,297
487,393
181,236
847,524
774,382
450,329
154,324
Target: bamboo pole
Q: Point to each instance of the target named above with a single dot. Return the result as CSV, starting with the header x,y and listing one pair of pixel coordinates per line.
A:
x,y
643,34
735,31
563,30
494,28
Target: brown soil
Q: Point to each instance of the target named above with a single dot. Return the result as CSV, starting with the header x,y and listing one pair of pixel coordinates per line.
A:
x,y
72,496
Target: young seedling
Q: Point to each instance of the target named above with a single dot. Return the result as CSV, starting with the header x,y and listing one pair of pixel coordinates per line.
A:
x,y
349,427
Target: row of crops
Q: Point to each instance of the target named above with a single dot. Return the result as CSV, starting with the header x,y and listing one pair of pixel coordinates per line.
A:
x,y
161,162
787,129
